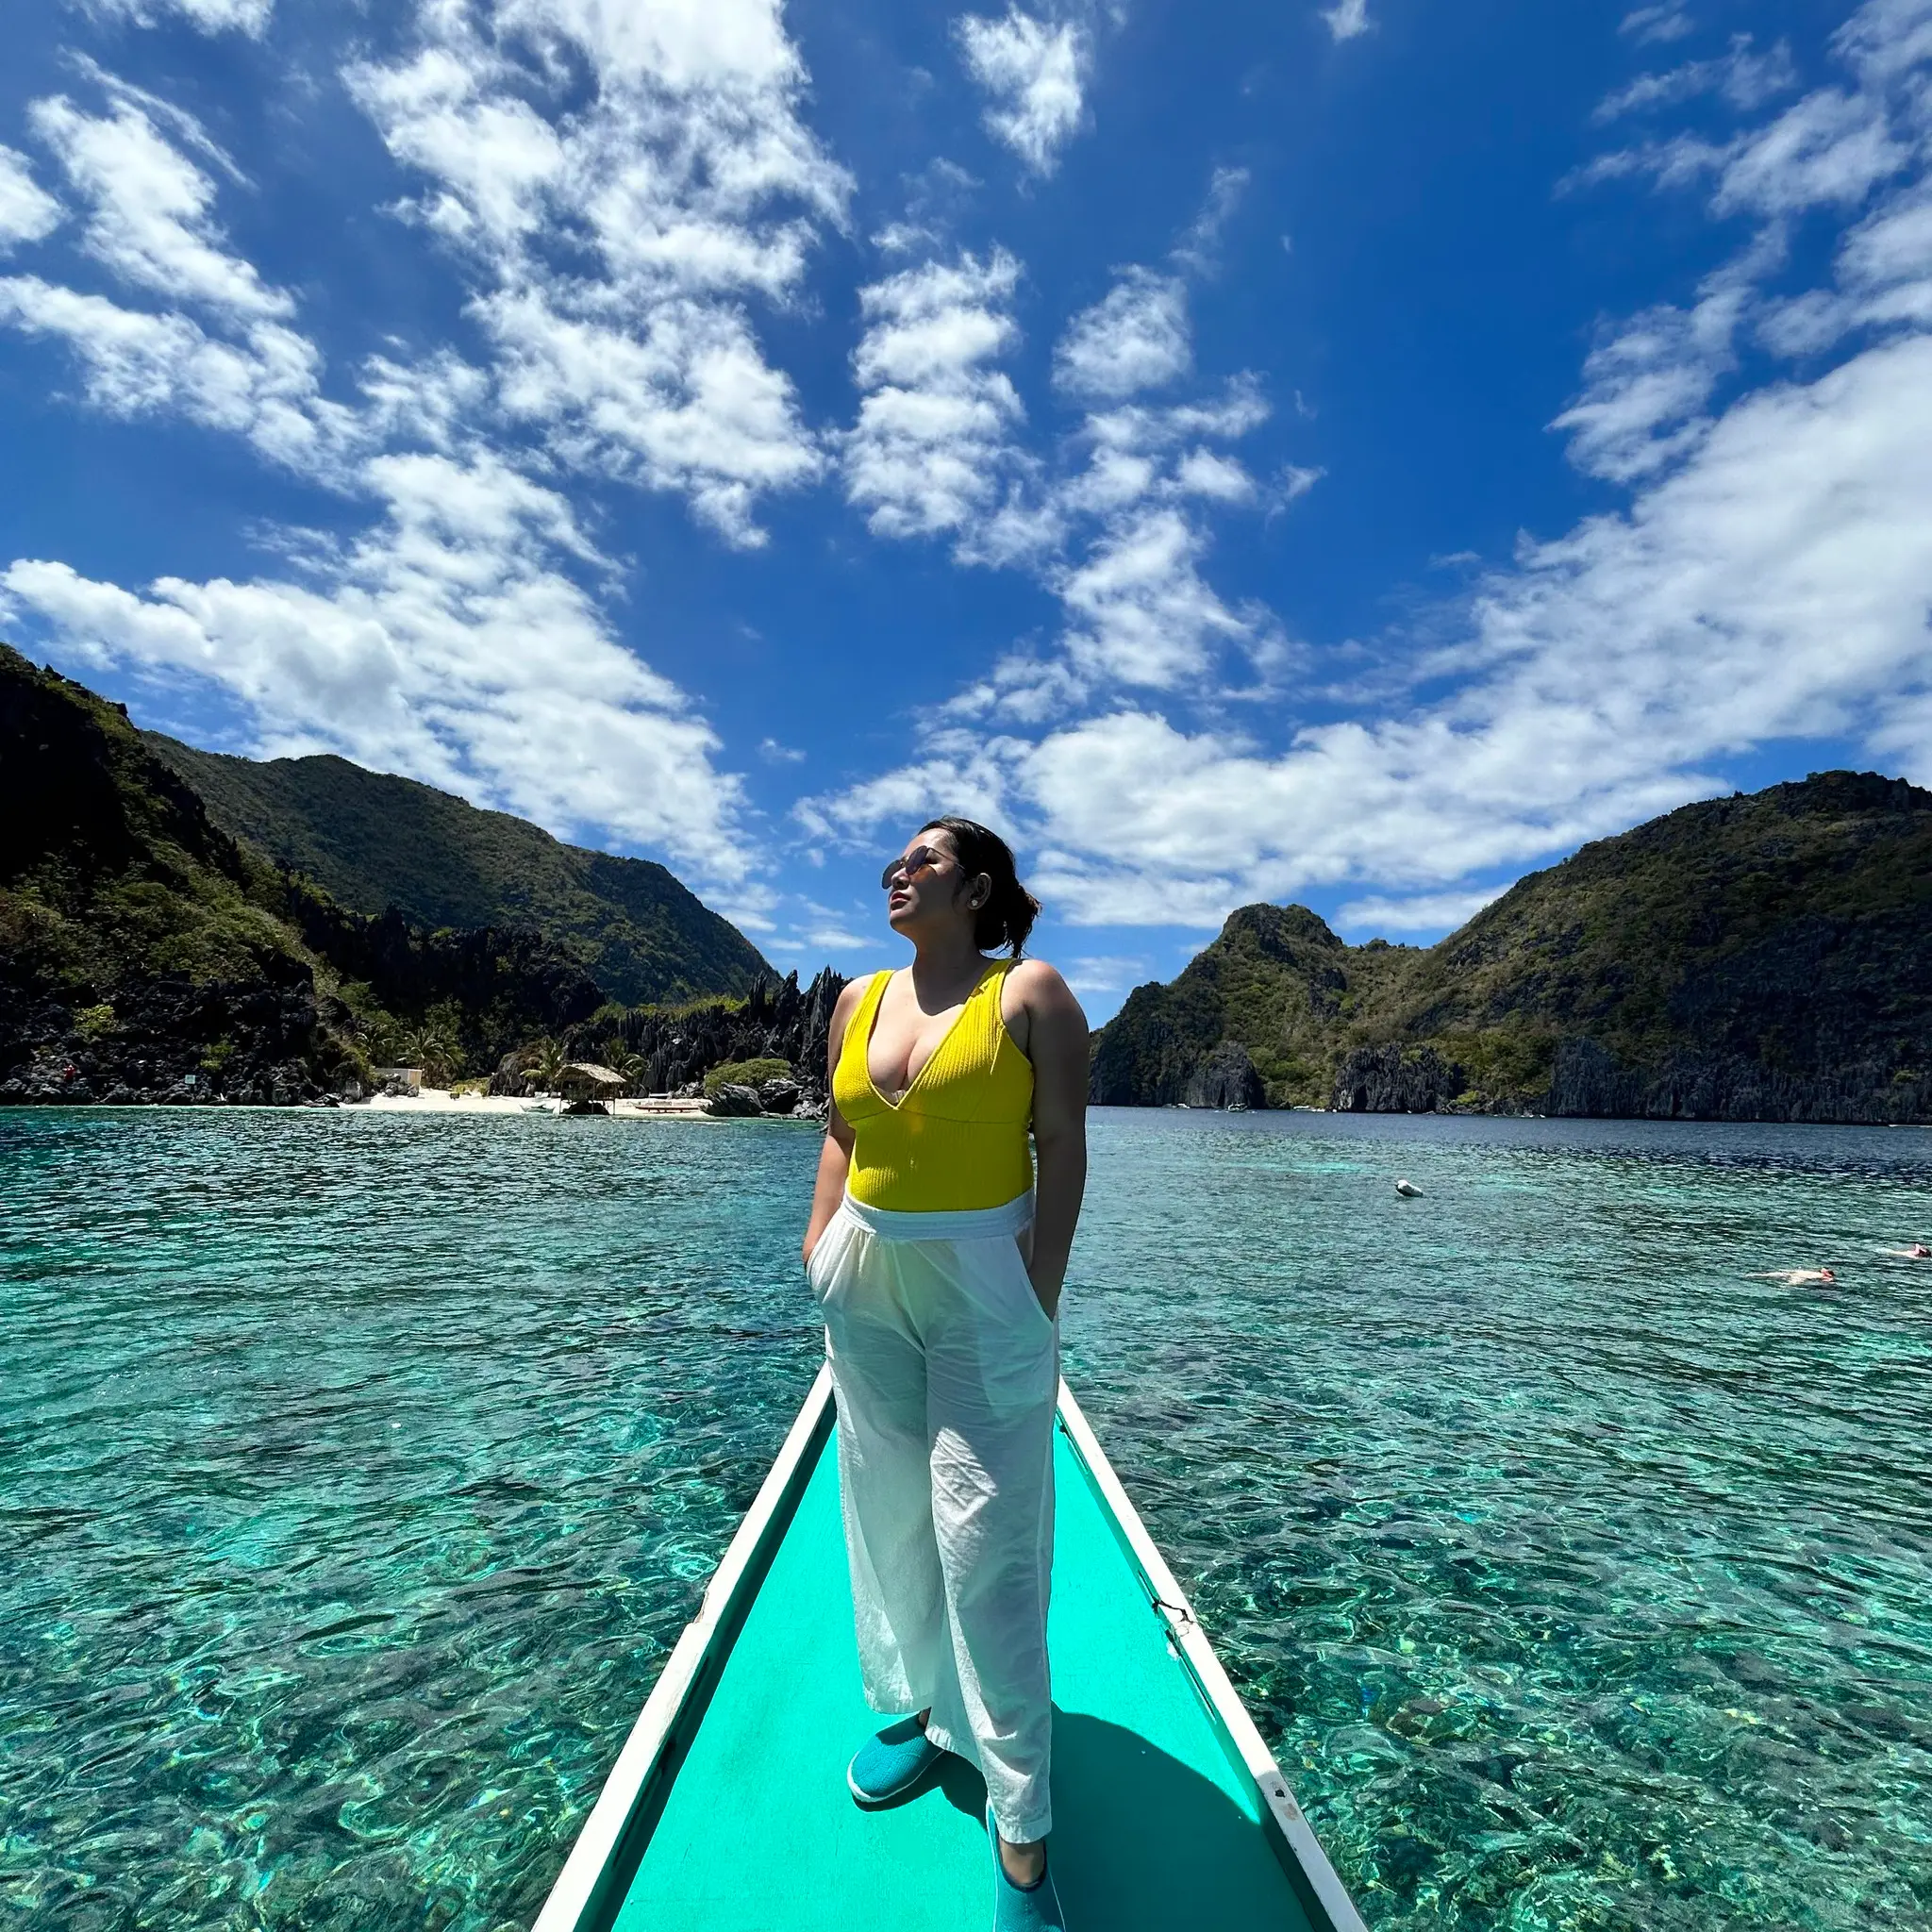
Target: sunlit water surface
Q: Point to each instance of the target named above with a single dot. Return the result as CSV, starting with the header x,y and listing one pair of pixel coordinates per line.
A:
x,y
357,1470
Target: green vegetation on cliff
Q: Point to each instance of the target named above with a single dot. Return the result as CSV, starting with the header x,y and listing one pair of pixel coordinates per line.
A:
x,y
1762,957
141,947
372,842
147,954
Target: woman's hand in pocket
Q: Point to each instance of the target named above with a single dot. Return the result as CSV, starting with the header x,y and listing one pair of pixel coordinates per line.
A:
x,y
1050,1302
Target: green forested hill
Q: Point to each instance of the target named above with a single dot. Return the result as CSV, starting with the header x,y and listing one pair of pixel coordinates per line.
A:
x,y
135,936
1761,957
146,954
372,842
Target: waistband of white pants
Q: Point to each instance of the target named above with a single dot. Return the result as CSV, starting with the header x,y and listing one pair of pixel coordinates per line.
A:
x,y
967,1225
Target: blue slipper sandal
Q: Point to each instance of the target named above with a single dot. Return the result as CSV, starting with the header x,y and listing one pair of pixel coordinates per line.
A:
x,y
891,1765
1034,1908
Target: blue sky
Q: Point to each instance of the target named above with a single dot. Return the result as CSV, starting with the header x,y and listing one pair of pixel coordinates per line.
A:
x,y
1347,453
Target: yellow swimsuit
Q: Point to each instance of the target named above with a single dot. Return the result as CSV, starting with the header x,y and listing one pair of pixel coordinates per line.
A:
x,y
956,1140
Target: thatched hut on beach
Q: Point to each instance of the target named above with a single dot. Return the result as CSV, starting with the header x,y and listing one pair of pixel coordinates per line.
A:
x,y
589,1088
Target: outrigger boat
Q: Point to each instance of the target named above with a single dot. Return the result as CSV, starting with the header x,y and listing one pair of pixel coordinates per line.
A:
x,y
727,1810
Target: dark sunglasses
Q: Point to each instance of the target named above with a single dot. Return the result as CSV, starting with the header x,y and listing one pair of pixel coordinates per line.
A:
x,y
911,864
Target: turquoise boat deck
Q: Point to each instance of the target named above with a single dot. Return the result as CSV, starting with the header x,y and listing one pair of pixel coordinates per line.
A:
x,y
744,1823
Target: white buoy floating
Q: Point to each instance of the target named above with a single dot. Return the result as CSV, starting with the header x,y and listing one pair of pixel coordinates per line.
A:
x,y
1408,1190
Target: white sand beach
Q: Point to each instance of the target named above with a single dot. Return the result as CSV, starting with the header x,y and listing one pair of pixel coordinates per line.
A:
x,y
441,1100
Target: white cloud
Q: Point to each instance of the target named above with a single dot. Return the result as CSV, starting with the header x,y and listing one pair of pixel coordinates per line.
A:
x,y
27,211
962,771
1114,527
150,210
447,644
1138,610
616,240
1198,251
452,639
1775,586
248,17
682,401
1297,479
1655,25
1037,76
1207,472
834,936
1646,384
1745,78
1429,913
265,388
238,366
1347,17
1830,149
1106,972
1135,337
934,438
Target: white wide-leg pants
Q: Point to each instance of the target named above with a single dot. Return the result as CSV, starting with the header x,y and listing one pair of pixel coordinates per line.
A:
x,y
945,1370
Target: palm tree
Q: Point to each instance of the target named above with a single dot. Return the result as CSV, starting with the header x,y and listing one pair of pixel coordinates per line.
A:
x,y
633,1066
434,1051
544,1063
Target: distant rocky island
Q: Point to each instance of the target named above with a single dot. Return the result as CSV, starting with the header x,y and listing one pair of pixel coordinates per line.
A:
x,y
176,925
1763,957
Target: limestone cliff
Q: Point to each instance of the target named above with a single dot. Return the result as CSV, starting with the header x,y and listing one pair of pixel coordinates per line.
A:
x,y
1756,957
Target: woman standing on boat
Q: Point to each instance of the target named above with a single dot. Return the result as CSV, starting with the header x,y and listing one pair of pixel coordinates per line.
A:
x,y
936,1260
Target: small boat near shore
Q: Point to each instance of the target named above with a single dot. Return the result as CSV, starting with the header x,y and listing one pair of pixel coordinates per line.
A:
x,y
727,1809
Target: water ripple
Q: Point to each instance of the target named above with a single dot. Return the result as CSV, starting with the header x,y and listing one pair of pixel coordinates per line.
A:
x,y
356,1473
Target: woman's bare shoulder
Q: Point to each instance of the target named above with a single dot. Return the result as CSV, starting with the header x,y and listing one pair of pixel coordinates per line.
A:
x,y
1040,988
853,992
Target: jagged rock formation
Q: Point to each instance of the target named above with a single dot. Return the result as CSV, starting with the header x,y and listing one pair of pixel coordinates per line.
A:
x,y
1278,983
1757,958
493,988
678,1045
1395,1080
1225,1078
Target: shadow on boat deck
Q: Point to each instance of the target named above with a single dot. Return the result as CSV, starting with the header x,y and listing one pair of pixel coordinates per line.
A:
x,y
1140,1838
753,1829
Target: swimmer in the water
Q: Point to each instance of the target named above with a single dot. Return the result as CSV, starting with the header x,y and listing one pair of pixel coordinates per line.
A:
x,y
1796,1278
1917,1252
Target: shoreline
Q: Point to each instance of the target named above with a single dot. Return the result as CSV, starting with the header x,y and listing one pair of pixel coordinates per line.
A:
x,y
432,1100
441,1100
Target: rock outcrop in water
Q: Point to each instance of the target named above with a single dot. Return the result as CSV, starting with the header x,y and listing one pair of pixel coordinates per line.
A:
x,y
1765,957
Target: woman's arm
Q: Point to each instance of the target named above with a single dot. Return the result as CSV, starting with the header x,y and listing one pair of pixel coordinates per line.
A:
x,y
1057,1044
835,1157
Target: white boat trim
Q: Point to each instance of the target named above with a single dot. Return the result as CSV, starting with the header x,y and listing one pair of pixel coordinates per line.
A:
x,y
580,1884
579,1888
1295,1843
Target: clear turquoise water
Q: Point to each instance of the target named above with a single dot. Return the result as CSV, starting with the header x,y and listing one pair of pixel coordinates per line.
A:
x,y
357,1470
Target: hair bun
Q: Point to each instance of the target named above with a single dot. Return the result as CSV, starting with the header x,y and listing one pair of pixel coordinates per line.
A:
x,y
1010,911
